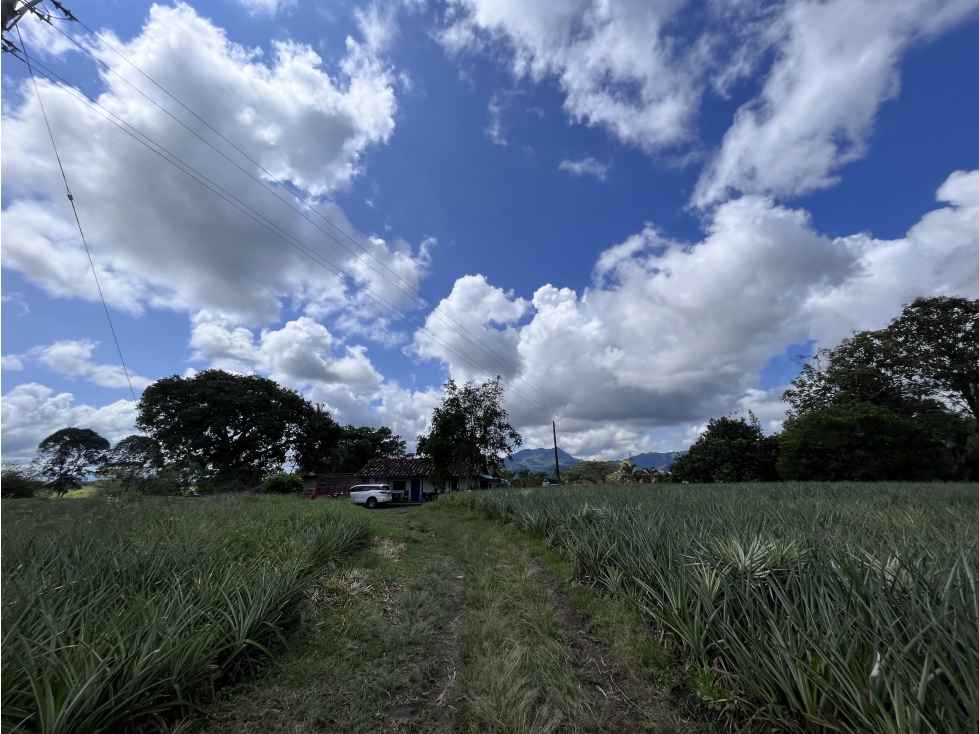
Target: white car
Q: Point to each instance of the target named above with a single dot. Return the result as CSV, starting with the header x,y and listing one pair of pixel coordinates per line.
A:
x,y
370,495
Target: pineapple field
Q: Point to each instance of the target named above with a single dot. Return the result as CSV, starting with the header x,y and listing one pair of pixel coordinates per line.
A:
x,y
793,607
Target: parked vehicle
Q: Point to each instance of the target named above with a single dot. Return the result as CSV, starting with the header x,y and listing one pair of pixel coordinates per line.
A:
x,y
371,495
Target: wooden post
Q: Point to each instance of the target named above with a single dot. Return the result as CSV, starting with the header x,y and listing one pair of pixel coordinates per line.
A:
x,y
557,465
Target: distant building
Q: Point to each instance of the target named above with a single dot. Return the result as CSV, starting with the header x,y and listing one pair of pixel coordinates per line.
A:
x,y
408,476
655,475
488,481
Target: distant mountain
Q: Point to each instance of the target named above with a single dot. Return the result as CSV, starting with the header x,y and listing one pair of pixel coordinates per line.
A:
x,y
659,461
541,460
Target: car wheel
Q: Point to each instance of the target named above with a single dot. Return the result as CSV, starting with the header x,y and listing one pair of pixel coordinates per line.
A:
x,y
371,503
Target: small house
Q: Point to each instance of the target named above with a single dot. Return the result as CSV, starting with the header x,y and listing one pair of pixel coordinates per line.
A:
x,y
408,476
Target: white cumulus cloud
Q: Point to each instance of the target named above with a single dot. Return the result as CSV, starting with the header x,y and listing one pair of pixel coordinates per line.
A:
x,y
32,412
641,70
672,333
159,239
837,63
72,358
614,61
305,356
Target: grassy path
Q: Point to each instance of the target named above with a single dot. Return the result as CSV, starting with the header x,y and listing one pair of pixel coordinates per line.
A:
x,y
453,623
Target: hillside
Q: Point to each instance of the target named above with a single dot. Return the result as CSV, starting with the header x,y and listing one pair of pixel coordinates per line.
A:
x,y
657,460
541,460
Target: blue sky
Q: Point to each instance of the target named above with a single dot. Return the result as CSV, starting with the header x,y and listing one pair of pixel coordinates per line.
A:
x,y
642,210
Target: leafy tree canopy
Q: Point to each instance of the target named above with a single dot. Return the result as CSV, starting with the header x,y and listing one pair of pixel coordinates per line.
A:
x,y
859,442
134,456
470,432
934,347
231,430
923,367
927,358
730,450
358,446
316,446
67,456
591,472
137,464
17,481
858,370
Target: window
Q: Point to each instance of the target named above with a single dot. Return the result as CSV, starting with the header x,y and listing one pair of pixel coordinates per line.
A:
x,y
399,486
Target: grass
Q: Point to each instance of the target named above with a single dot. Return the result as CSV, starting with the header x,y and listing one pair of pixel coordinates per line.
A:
x,y
86,492
518,673
650,672
369,650
456,632
796,608
811,608
124,615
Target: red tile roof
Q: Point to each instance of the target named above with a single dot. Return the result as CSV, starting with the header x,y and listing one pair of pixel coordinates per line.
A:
x,y
408,467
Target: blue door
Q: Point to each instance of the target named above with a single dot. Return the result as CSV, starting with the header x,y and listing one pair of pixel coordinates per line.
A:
x,y
416,490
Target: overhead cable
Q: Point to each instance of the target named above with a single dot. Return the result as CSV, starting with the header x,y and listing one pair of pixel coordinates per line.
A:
x,y
71,200
275,229
414,293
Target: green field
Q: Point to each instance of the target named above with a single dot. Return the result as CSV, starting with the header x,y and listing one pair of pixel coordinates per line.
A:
x,y
119,614
667,608
804,607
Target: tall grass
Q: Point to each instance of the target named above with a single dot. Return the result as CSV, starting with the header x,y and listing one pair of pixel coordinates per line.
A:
x,y
118,616
810,608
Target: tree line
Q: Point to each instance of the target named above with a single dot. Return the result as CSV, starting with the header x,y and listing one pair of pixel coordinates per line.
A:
x,y
214,431
900,403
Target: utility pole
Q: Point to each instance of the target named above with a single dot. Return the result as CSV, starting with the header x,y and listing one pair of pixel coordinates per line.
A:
x,y
13,10
557,465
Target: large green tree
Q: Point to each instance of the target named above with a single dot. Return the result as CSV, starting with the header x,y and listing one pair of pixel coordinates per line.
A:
x,y
729,450
858,370
137,464
934,347
591,472
68,455
229,430
469,434
923,368
359,445
316,447
859,442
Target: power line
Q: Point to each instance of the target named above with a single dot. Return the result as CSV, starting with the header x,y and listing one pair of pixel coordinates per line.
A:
x,y
291,240
71,200
416,295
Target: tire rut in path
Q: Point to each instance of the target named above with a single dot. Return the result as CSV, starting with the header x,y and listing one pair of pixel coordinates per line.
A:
x,y
591,656
441,696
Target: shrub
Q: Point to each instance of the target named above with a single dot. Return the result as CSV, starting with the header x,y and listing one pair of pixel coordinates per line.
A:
x,y
283,483
16,482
